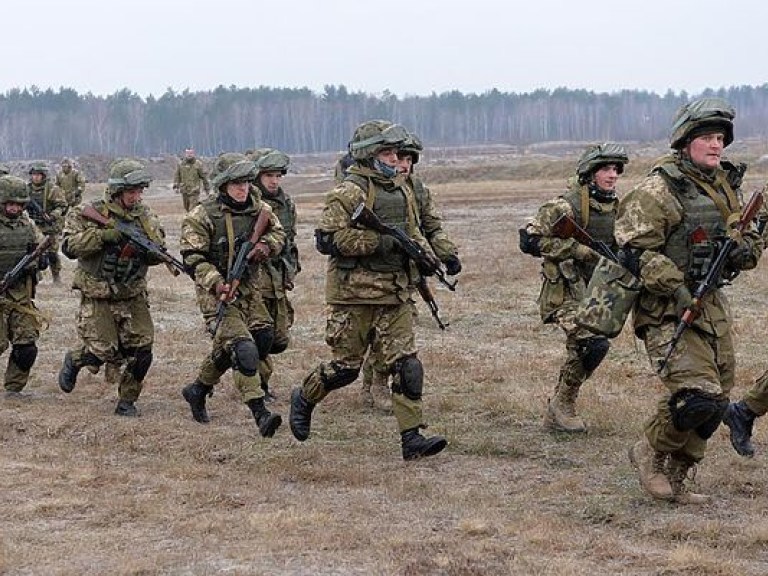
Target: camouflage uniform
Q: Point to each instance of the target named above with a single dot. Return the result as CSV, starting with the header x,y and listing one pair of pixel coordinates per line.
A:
x,y
71,182
669,227
48,214
19,321
566,268
114,322
341,167
368,287
210,238
189,177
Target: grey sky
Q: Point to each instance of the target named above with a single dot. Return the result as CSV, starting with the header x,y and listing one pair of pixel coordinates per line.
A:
x,y
406,47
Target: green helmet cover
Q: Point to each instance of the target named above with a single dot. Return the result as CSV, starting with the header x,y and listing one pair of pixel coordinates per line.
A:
x,y
599,155
702,113
13,189
272,161
127,173
231,166
373,136
412,146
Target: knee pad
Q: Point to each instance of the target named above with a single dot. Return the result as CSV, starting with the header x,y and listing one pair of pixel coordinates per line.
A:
x,y
706,429
279,345
335,377
592,351
264,337
90,359
221,360
24,356
409,377
140,363
245,357
691,409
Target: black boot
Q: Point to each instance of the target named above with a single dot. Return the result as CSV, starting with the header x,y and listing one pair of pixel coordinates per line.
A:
x,y
301,415
740,419
417,446
126,408
268,396
68,373
195,394
267,421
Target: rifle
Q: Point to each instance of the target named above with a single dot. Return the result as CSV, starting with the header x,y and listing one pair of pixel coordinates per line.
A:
x,y
235,276
366,217
37,213
135,237
713,276
13,275
566,227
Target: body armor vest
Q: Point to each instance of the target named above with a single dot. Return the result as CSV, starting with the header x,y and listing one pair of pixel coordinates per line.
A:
x,y
282,206
600,225
15,240
242,226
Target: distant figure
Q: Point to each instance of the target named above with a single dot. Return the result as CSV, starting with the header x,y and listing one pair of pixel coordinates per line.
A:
x,y
46,207
189,178
72,183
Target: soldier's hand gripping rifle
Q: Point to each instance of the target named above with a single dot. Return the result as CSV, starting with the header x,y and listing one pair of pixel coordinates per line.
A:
x,y
566,227
14,274
235,276
37,213
364,216
135,237
713,277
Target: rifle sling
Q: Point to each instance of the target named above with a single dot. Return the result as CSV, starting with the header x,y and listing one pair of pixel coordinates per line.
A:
x,y
230,241
726,210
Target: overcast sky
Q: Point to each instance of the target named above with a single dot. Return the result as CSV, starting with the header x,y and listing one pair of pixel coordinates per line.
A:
x,y
406,47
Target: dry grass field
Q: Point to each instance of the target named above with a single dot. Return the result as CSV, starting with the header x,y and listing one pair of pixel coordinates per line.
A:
x,y
83,491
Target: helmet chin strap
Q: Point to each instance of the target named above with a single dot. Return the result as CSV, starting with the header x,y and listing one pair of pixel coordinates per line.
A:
x,y
386,169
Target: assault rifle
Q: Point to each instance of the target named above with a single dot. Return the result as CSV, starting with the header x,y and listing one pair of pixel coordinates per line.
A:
x,y
235,276
713,277
366,217
135,237
36,211
566,227
13,275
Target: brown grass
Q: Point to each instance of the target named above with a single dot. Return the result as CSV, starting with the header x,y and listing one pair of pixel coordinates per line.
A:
x,y
85,492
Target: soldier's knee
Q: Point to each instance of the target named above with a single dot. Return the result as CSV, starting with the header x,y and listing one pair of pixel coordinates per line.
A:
x,y
592,351
697,410
24,355
221,360
245,356
335,377
140,363
263,338
279,344
408,377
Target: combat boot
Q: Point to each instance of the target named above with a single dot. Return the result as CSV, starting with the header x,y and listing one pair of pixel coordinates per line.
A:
x,y
561,411
650,466
267,421
677,472
417,446
68,373
740,419
195,395
300,418
126,408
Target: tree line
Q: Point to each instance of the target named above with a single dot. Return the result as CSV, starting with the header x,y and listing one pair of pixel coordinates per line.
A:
x,y
37,123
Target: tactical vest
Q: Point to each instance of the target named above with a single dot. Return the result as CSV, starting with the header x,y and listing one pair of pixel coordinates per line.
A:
x,y
391,206
14,243
283,208
220,254
600,224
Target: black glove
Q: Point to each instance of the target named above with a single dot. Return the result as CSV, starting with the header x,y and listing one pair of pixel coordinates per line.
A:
x,y
387,245
43,262
740,255
452,265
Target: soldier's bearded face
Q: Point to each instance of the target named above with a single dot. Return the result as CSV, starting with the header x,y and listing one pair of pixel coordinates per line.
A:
x,y
606,177
705,150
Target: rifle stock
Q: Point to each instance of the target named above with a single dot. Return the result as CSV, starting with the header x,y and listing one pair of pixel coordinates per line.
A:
x,y
566,227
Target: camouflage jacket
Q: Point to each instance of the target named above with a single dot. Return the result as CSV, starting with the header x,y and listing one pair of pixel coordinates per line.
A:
x,y
278,273
201,238
110,271
352,276
54,205
430,220
190,176
72,183
16,236
647,219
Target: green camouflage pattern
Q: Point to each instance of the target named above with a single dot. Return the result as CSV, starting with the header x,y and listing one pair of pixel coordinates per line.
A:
x,y
756,397
54,204
72,183
610,297
278,273
431,220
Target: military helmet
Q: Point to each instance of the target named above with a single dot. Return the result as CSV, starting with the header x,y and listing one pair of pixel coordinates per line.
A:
x,y
702,114
66,162
599,155
13,189
412,146
127,173
38,168
270,160
373,136
231,166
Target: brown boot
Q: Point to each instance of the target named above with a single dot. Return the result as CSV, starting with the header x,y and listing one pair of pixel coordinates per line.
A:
x,y
561,411
677,472
650,468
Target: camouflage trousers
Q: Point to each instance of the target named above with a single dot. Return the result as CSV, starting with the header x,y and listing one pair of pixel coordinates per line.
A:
x,y
572,371
350,331
190,199
700,362
757,396
17,328
242,319
113,331
281,312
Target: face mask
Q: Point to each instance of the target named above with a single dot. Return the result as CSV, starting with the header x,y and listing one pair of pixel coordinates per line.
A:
x,y
386,169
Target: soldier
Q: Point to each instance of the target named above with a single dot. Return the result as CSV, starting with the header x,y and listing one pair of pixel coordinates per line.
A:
x,y
211,236
368,288
567,267
46,207
114,323
19,319
71,182
278,273
342,166
670,228
190,175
